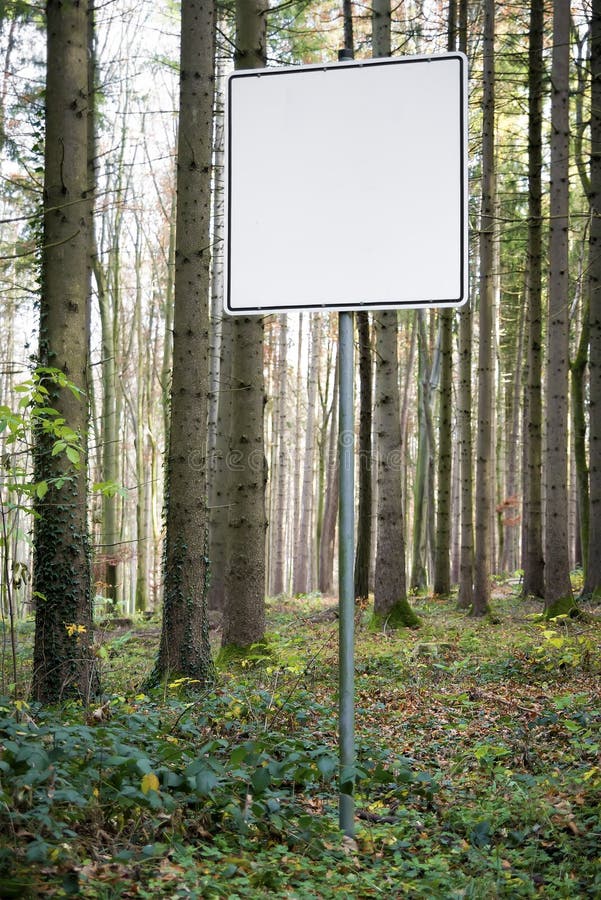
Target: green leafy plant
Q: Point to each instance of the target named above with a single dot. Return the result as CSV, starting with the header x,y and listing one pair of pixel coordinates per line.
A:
x,y
19,490
476,772
565,645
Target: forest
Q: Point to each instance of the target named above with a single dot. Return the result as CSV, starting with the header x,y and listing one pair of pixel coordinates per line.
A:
x,y
171,557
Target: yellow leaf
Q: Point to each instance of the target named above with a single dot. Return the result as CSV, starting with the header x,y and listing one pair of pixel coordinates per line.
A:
x,y
149,783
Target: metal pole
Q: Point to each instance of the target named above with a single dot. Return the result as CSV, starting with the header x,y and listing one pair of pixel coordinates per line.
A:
x,y
346,591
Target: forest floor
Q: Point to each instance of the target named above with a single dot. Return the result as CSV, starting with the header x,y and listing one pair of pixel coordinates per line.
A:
x,y
478,774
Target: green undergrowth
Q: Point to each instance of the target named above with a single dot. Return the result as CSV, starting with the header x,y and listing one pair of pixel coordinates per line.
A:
x,y
477,768
256,655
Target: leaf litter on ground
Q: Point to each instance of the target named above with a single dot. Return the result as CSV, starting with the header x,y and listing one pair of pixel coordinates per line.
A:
x,y
477,768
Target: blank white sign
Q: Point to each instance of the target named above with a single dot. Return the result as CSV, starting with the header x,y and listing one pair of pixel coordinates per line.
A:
x,y
346,186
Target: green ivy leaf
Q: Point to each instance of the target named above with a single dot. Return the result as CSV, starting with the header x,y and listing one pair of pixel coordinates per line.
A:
x,y
41,489
72,455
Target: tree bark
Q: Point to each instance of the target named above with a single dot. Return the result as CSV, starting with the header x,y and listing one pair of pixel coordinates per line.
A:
x,y
592,585
62,662
279,523
142,487
305,544
578,409
328,531
184,647
218,488
363,549
108,283
442,549
391,607
558,589
532,543
510,503
422,487
485,449
464,420
244,611
217,274
296,477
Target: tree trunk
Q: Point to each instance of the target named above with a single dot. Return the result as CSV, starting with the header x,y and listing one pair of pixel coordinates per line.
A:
x,y
216,269
184,647
558,589
464,419
455,519
391,608
485,449
296,478
218,488
62,662
509,503
592,584
578,407
442,549
422,496
326,404
279,523
328,531
580,311
142,487
244,612
167,361
305,544
108,282
532,544
363,550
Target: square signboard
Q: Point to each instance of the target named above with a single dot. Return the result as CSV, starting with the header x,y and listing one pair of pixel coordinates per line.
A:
x,y
346,186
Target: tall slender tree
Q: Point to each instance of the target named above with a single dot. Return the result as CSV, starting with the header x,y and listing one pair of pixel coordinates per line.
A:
x,y
558,589
278,566
138,415
219,481
442,549
423,488
391,606
244,611
328,531
305,545
464,418
62,662
363,550
485,450
108,278
184,646
532,545
592,583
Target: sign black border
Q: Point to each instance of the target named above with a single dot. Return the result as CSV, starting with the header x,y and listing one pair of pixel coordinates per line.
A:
x,y
373,305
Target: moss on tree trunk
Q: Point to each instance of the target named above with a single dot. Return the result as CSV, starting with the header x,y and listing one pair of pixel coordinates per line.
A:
x,y
399,616
563,606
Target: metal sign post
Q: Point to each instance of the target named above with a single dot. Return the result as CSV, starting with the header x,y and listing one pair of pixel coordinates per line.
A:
x,y
346,591
346,565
